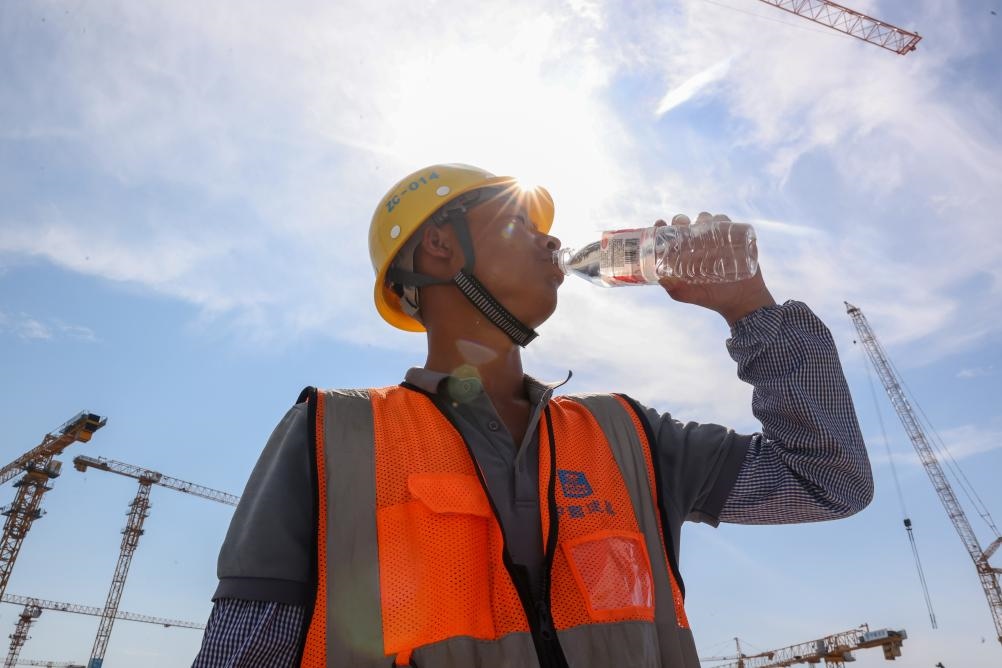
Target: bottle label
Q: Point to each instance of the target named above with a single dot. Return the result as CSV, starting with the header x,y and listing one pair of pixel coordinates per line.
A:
x,y
621,257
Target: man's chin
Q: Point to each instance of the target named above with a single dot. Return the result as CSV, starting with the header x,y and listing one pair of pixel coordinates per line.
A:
x,y
542,316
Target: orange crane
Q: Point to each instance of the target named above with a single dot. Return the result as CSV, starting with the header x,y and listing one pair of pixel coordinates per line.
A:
x,y
988,574
835,650
40,467
851,22
138,512
33,608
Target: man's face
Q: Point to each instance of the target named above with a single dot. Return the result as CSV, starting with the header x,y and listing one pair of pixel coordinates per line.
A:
x,y
514,260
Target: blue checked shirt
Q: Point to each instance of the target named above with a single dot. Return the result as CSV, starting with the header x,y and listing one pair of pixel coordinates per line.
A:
x,y
808,464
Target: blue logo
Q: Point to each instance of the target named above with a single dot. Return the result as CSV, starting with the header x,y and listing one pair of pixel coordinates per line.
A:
x,y
574,484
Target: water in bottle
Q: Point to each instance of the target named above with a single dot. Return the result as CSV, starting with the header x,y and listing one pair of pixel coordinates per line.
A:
x,y
708,252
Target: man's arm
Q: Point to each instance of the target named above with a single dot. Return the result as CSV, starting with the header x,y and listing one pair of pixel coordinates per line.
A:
x,y
249,634
809,463
263,564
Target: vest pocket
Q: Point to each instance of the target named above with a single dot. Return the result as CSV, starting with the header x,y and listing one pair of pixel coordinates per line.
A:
x,y
434,562
613,572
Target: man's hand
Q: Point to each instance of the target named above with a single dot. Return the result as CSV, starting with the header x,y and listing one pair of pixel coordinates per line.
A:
x,y
731,300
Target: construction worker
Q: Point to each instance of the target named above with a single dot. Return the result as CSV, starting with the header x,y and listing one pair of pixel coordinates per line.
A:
x,y
468,517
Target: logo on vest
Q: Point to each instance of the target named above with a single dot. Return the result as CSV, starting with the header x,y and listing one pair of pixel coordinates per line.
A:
x,y
574,484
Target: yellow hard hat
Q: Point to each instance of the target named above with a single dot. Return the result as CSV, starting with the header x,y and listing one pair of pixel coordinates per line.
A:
x,y
409,203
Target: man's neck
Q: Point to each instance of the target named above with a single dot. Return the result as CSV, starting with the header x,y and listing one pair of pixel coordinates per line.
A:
x,y
497,364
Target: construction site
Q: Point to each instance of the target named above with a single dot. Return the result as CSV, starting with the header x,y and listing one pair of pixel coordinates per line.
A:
x,y
36,472
141,386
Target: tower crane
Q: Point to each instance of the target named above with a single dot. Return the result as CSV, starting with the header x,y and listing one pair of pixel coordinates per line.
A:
x,y
138,512
50,664
33,608
39,466
988,575
835,650
851,22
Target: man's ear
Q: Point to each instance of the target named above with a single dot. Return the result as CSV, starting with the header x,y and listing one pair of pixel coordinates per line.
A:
x,y
438,242
434,255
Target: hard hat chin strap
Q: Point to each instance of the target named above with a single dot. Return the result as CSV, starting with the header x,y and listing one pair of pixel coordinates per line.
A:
x,y
492,309
479,296
464,279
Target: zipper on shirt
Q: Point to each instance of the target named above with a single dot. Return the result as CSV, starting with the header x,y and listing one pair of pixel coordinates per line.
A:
x,y
543,605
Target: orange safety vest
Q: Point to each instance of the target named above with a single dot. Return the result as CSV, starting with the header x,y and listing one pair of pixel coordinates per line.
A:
x,y
444,574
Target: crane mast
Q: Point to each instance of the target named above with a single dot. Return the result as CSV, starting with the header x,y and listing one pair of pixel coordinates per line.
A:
x,y
40,467
30,613
851,22
988,575
138,512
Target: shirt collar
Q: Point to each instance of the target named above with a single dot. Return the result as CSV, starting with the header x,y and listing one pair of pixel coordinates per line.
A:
x,y
466,389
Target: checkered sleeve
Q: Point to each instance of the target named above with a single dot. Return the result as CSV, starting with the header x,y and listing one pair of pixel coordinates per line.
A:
x,y
809,462
250,634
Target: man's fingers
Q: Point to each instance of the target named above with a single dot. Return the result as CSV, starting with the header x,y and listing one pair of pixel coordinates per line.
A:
x,y
680,219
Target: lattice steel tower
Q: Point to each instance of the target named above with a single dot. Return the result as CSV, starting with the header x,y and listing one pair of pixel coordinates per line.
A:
x,y
139,509
988,575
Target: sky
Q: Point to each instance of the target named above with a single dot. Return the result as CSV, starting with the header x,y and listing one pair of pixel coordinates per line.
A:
x,y
187,189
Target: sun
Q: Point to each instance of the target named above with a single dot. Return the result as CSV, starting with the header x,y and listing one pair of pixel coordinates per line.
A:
x,y
513,112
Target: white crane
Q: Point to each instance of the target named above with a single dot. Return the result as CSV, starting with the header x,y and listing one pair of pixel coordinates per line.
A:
x,y
139,509
988,574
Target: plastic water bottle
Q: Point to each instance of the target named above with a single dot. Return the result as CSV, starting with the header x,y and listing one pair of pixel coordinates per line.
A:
x,y
709,252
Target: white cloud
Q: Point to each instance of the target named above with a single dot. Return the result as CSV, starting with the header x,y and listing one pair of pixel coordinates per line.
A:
x,y
273,132
785,227
24,327
956,443
77,332
883,139
692,86
666,355
282,132
976,372
29,328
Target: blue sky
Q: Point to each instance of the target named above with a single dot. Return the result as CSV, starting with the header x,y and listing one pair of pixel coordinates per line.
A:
x,y
187,190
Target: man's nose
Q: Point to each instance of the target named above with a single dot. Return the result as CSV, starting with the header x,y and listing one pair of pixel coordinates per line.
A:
x,y
551,243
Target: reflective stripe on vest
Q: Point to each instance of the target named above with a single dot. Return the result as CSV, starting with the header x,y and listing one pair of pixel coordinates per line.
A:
x,y
410,559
